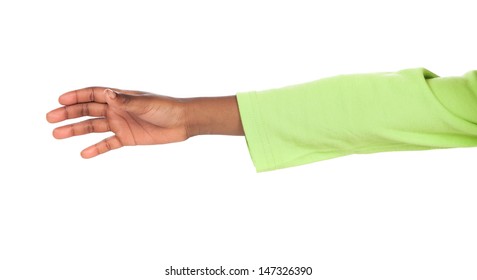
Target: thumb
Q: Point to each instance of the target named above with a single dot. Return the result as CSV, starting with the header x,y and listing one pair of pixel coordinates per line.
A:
x,y
123,101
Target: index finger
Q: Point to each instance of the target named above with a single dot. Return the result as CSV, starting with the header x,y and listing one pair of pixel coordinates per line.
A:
x,y
89,94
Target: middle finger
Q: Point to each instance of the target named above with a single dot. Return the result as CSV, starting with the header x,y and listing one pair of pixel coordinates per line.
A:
x,y
78,110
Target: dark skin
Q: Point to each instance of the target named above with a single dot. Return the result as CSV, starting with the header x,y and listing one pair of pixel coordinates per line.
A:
x,y
142,118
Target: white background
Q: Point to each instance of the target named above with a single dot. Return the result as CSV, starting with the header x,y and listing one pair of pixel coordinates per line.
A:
x,y
133,212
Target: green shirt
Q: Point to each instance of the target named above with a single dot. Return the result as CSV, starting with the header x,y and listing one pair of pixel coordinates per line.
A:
x,y
412,109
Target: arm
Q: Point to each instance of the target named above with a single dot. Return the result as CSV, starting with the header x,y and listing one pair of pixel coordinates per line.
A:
x,y
213,115
412,109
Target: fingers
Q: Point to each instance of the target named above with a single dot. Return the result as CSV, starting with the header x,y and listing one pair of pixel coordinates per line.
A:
x,y
81,128
102,147
76,111
90,94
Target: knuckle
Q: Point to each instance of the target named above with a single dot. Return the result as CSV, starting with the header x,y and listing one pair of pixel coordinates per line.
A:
x,y
91,94
107,144
67,114
125,99
89,128
85,109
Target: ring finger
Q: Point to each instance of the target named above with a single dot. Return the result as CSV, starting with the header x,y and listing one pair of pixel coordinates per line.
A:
x,y
81,128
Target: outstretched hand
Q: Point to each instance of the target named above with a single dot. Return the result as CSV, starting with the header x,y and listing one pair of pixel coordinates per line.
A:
x,y
135,118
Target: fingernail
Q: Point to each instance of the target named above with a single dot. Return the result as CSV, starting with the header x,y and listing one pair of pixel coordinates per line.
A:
x,y
111,94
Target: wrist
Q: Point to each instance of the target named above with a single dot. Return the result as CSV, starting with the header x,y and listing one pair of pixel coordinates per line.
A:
x,y
212,115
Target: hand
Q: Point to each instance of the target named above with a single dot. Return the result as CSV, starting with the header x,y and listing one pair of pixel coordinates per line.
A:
x,y
141,118
136,118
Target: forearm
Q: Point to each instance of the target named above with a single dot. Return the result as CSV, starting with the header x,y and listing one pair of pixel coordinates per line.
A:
x,y
212,115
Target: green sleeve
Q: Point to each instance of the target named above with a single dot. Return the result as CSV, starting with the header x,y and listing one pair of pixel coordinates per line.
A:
x,y
412,109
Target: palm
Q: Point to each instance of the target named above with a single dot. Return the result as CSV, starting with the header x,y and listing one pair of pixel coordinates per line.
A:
x,y
132,129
